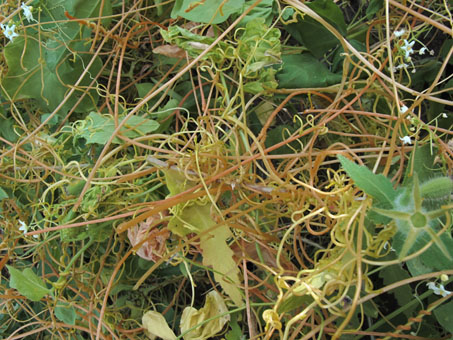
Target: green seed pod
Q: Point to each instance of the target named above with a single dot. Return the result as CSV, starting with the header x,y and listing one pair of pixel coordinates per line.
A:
x,y
437,188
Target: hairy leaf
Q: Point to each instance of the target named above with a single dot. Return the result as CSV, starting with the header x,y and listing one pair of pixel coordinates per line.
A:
x,y
377,186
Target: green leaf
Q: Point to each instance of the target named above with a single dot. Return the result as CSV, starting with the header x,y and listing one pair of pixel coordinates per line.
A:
x,y
66,313
7,130
210,11
263,10
155,325
258,48
68,37
374,7
235,333
27,283
312,34
444,314
446,46
403,295
195,217
98,128
422,163
3,194
213,309
377,186
305,71
329,11
29,77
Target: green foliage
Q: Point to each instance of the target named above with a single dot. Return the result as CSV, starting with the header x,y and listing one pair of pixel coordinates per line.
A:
x,y
444,315
30,78
66,313
212,12
215,210
27,283
312,34
98,128
416,225
305,71
195,217
377,186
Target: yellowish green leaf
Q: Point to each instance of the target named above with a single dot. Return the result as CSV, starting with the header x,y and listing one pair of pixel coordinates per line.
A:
x,y
196,217
155,325
212,309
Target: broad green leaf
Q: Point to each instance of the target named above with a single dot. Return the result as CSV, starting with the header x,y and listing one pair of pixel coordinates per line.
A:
x,y
377,186
305,71
210,11
446,46
444,314
27,283
98,128
422,163
3,194
155,325
195,217
264,10
374,7
67,37
191,317
278,134
66,313
8,130
433,257
417,267
29,77
403,295
235,333
312,34
329,11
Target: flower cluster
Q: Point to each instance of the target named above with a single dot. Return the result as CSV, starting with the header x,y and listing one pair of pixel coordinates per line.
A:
x,y
9,31
406,49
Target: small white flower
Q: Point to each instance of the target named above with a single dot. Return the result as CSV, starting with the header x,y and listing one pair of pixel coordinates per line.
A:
x,y
422,51
406,140
403,65
444,115
8,31
27,12
431,52
438,290
407,48
399,33
404,109
413,70
23,227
